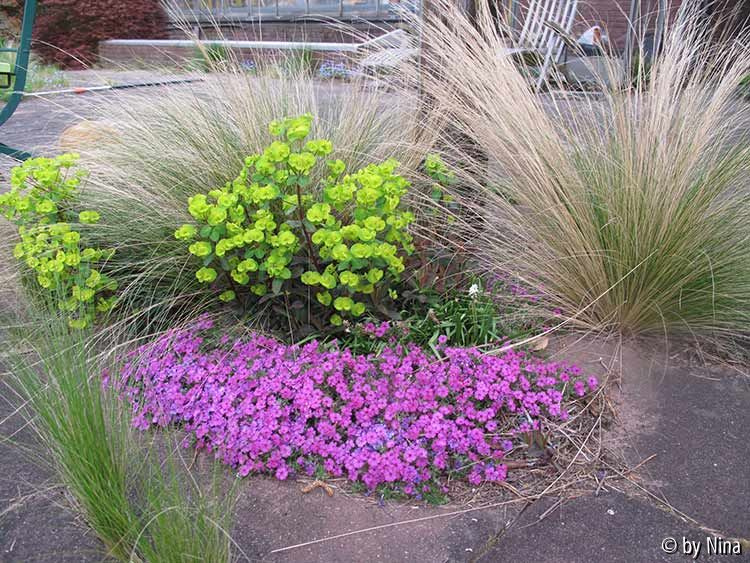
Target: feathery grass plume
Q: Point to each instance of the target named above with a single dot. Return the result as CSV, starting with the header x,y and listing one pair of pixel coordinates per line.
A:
x,y
627,209
135,496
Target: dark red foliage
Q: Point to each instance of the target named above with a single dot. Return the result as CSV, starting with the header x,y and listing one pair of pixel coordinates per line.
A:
x,y
67,32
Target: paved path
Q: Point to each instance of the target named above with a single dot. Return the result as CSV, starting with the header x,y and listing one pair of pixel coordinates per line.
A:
x,y
689,423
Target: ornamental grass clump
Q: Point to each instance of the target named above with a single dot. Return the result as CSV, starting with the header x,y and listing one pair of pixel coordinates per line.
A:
x,y
138,499
399,418
628,210
273,229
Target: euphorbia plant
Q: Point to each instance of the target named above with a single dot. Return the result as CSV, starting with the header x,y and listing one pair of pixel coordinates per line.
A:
x,y
41,204
343,238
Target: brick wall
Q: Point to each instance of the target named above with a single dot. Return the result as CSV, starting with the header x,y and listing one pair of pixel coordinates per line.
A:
x,y
612,15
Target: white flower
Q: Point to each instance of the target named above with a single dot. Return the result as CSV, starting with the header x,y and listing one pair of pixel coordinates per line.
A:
x,y
474,290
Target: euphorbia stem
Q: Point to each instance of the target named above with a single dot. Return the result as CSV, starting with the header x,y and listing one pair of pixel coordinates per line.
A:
x,y
301,216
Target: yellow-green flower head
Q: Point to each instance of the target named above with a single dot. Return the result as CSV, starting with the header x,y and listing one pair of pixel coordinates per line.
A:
x,y
227,295
94,279
18,250
310,278
343,303
349,278
265,166
276,128
350,232
319,213
298,128
223,246
44,281
286,238
233,229
82,295
328,280
200,249
336,167
265,224
227,200
259,194
247,265
340,194
340,252
241,278
366,235
302,162
360,250
277,151
72,259
71,238
198,206
358,309
186,232
88,217
374,275
375,224
253,235
46,206
367,196
104,305
280,176
237,214
216,216
319,147
59,229
320,236
90,255
259,289
206,275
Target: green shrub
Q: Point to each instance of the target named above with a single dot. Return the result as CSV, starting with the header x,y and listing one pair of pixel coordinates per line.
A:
x,y
272,230
41,204
162,150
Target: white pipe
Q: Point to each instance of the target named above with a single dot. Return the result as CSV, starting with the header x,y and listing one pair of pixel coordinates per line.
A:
x,y
233,44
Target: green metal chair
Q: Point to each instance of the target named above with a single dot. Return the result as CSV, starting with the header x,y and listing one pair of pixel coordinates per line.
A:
x,y
15,75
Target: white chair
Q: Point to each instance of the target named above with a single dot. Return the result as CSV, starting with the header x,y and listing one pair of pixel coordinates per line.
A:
x,y
386,52
541,37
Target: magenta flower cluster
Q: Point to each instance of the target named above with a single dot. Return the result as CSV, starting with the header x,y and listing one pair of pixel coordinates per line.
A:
x,y
401,418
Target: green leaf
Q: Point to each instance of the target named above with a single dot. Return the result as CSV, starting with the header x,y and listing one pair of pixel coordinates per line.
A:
x,y
359,263
276,286
208,259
